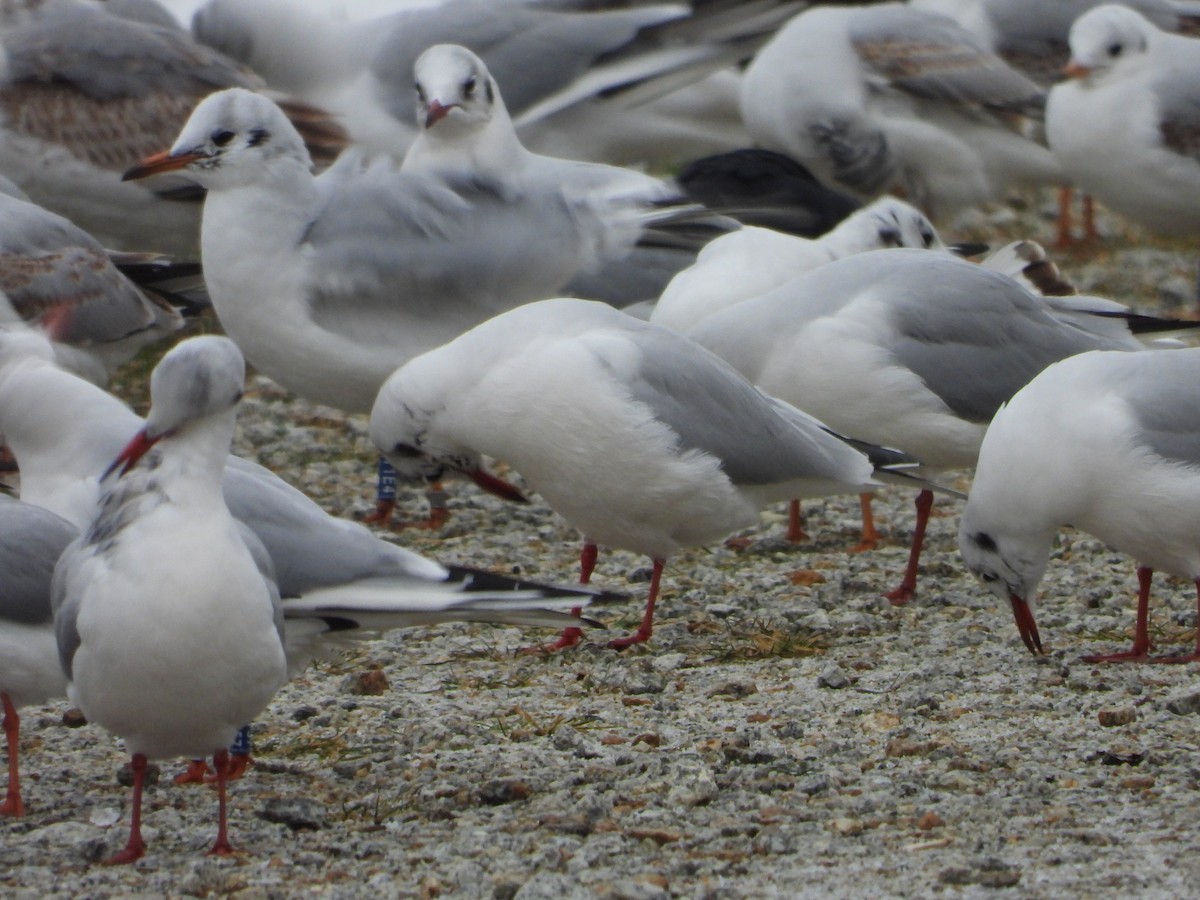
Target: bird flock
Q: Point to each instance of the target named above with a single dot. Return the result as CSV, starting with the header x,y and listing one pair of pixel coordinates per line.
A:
x,y
444,217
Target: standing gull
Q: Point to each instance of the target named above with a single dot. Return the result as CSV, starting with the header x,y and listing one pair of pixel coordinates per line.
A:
x,y
907,349
1126,124
635,435
173,654
1108,443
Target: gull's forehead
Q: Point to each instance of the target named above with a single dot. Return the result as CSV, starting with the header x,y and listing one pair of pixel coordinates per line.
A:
x,y
447,62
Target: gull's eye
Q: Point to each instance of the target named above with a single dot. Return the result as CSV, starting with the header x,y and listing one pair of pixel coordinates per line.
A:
x,y
1114,50
221,138
420,91
927,238
469,87
989,577
889,237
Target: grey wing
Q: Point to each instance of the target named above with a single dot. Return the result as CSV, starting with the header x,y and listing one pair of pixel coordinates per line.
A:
x,y
412,246
932,56
31,541
66,593
308,547
111,90
714,409
1163,399
981,337
57,275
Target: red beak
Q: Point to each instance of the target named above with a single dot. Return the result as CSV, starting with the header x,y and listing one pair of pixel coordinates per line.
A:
x,y
160,162
436,112
497,486
1026,625
1075,70
133,451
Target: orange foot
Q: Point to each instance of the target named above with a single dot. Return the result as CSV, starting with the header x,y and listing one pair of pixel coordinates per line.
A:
x,y
197,772
569,638
638,637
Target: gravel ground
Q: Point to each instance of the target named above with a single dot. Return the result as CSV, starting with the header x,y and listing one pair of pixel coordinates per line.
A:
x,y
786,733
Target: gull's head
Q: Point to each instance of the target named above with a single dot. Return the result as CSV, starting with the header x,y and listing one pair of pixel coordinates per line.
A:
x,y
234,137
889,222
411,428
455,92
1011,567
199,379
1105,37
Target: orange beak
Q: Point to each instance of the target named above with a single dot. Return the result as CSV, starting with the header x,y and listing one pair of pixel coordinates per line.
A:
x,y
161,162
1026,625
1076,70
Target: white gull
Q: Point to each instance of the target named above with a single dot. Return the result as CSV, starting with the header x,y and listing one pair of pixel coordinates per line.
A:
x,y
1108,443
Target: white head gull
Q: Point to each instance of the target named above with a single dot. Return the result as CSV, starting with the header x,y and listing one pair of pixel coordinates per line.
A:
x,y
464,131
31,540
886,98
635,435
752,261
173,653
907,349
1125,125
1108,443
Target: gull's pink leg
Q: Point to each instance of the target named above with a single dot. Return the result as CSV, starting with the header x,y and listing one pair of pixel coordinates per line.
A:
x,y
136,847
572,636
870,537
12,805
796,532
908,586
1140,651
221,847
647,627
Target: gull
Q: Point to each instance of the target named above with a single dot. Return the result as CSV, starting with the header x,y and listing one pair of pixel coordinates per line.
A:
x,y
890,99
55,275
1031,36
172,652
752,260
1108,443
465,131
84,94
31,540
1124,124
908,349
645,82
340,582
635,435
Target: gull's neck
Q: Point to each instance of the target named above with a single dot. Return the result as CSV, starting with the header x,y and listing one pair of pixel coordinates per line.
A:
x,y
495,150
